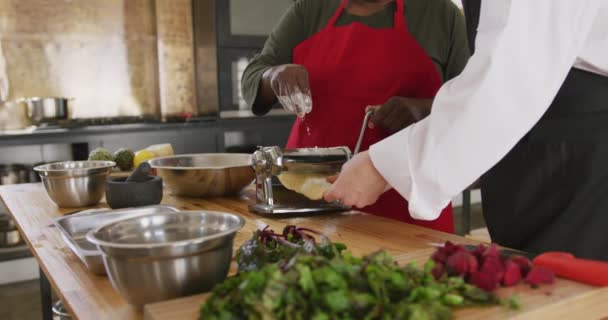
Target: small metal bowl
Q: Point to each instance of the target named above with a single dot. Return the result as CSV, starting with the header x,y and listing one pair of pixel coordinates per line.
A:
x,y
72,184
163,256
205,175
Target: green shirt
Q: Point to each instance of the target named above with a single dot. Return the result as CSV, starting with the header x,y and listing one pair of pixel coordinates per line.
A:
x,y
437,25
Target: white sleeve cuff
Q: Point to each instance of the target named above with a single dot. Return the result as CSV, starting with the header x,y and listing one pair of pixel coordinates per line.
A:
x,y
391,158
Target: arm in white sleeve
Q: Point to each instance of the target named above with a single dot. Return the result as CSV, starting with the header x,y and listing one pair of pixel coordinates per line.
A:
x,y
524,51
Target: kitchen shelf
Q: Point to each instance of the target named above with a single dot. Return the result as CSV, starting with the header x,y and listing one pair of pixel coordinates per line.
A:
x,y
12,253
195,135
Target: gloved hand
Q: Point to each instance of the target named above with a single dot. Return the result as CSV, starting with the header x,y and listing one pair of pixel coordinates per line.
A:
x,y
290,85
399,112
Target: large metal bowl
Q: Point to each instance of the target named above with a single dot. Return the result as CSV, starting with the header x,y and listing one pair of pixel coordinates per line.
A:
x,y
162,256
205,174
73,184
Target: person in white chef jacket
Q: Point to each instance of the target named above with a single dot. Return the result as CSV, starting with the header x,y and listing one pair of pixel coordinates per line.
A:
x,y
529,115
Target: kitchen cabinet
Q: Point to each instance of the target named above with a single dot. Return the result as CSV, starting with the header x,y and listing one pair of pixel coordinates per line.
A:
x,y
246,23
242,28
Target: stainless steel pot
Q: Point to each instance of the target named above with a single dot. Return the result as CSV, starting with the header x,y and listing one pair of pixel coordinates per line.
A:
x,y
6,222
13,174
13,115
47,109
59,311
9,237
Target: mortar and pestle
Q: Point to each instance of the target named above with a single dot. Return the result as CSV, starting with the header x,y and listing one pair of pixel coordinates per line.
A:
x,y
136,190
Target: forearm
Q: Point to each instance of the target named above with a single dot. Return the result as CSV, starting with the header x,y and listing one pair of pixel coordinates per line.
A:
x,y
265,97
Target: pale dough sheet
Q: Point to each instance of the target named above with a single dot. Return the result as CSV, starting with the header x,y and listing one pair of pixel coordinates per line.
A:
x,y
313,186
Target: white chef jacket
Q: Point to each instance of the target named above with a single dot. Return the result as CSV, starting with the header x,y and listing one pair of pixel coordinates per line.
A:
x,y
524,51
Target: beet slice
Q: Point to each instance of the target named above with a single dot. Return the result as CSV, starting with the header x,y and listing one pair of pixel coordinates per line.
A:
x,y
524,264
540,275
512,274
494,267
440,256
479,251
484,281
458,264
492,251
451,248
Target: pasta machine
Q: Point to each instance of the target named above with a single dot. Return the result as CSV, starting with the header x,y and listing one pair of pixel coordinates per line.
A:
x,y
292,181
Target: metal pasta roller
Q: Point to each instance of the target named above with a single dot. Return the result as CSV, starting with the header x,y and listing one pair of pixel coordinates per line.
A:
x,y
292,181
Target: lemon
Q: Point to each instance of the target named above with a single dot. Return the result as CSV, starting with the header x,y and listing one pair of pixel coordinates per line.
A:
x,y
143,155
161,150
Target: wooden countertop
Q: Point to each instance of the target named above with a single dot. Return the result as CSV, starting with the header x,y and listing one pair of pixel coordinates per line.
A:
x,y
87,296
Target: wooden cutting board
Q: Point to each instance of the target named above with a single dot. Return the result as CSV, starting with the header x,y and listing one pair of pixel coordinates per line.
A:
x,y
563,300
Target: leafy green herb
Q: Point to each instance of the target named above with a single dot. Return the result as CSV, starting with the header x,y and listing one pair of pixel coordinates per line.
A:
x,y
341,287
301,274
512,303
266,247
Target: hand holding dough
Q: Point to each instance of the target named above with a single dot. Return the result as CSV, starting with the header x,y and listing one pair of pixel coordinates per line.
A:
x,y
313,186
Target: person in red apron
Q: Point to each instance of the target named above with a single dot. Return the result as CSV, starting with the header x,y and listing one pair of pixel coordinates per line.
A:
x,y
349,69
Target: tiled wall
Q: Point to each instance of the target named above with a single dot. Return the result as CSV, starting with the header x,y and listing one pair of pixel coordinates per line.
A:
x,y
115,57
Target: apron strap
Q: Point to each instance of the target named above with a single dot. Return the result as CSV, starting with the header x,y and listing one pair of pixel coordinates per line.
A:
x,y
398,18
337,14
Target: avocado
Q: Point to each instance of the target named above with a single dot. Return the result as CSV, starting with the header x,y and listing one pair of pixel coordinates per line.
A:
x,y
124,159
101,154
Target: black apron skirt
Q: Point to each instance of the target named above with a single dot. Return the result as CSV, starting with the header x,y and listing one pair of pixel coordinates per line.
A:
x,y
550,193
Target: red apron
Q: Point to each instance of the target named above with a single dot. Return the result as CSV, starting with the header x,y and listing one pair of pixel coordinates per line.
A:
x,y
355,66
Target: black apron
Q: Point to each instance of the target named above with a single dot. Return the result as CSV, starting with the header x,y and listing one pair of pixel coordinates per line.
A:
x,y
550,193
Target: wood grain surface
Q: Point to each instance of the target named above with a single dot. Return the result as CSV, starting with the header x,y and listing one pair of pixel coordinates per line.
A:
x,y
92,297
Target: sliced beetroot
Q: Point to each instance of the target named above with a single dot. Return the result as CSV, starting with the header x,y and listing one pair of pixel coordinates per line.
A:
x,y
483,281
485,266
492,251
494,267
438,270
458,264
512,274
479,251
450,248
473,263
540,275
440,256
524,264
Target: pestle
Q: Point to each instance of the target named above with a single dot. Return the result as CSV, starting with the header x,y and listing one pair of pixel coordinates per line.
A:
x,y
140,174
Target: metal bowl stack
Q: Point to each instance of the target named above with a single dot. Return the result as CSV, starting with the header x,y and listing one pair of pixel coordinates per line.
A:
x,y
72,184
205,175
167,255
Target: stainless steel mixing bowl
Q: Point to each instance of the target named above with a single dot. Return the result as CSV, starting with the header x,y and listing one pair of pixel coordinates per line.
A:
x,y
205,174
167,255
73,184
